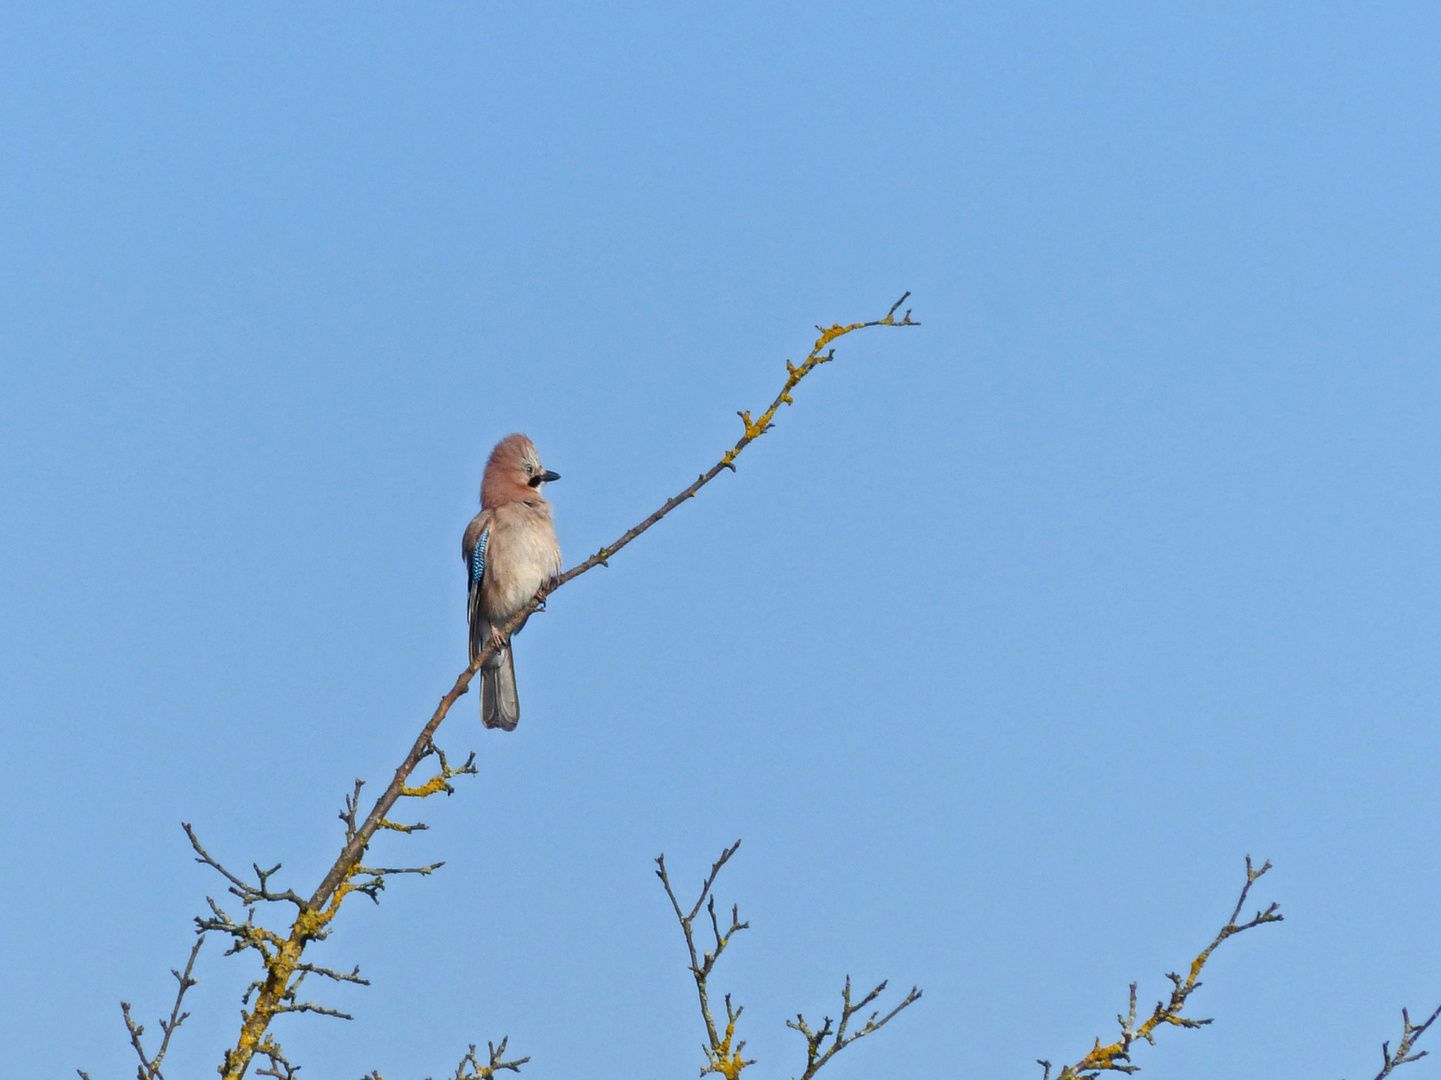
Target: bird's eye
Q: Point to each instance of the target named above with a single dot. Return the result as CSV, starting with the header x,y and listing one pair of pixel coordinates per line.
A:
x,y
529,469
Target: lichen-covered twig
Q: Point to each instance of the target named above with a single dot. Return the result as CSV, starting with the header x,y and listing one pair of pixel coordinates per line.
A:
x,y
818,1053
723,1054
1406,1049
1116,1056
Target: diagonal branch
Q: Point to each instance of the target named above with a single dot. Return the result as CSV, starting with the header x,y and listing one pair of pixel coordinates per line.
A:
x,y
818,1053
249,894
1116,1056
316,913
753,430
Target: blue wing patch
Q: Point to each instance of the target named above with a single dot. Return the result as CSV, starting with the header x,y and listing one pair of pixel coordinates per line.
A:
x,y
477,557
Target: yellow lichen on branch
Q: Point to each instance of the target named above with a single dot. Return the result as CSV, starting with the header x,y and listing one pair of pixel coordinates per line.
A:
x,y
818,355
726,1061
1116,1056
434,786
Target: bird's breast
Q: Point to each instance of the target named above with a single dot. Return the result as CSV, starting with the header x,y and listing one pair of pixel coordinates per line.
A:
x,y
523,554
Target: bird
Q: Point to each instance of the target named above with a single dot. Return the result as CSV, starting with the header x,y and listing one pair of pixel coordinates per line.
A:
x,y
511,552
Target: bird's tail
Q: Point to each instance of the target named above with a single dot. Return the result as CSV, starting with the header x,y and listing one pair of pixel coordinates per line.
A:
x,y
499,705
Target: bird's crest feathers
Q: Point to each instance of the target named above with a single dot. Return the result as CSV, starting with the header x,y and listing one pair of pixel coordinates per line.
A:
x,y
508,472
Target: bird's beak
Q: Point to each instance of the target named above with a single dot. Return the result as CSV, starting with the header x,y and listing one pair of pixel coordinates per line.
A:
x,y
548,476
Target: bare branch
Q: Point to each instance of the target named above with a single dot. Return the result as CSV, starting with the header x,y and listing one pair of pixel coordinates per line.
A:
x,y
336,976
1116,1056
279,1067
289,1001
375,877
722,1053
818,1053
246,935
150,1067
477,1071
1406,1048
248,894
702,963
721,1057
352,807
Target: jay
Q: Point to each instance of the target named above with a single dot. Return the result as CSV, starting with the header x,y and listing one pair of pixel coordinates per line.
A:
x,y
511,552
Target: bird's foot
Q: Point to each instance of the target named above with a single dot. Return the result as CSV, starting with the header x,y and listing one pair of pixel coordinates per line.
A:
x,y
497,638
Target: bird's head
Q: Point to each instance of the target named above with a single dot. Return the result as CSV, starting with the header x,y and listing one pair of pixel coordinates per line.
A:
x,y
513,473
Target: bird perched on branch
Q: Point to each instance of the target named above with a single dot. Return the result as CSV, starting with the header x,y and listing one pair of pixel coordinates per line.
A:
x,y
510,552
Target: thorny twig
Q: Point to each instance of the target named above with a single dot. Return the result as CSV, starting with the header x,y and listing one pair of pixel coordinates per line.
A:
x,y
721,1056
1116,1056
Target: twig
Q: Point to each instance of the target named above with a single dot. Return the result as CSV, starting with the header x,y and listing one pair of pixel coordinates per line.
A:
x,y
279,1067
496,1064
1116,1056
817,1053
249,894
150,1067
1410,1034
721,1056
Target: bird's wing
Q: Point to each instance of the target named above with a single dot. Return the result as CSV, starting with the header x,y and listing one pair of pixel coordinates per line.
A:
x,y
473,547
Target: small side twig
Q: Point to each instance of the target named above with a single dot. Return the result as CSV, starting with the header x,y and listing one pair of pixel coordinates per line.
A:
x,y
279,1067
249,894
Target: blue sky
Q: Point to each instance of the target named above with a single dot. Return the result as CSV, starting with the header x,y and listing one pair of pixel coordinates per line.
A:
x,y
1001,651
